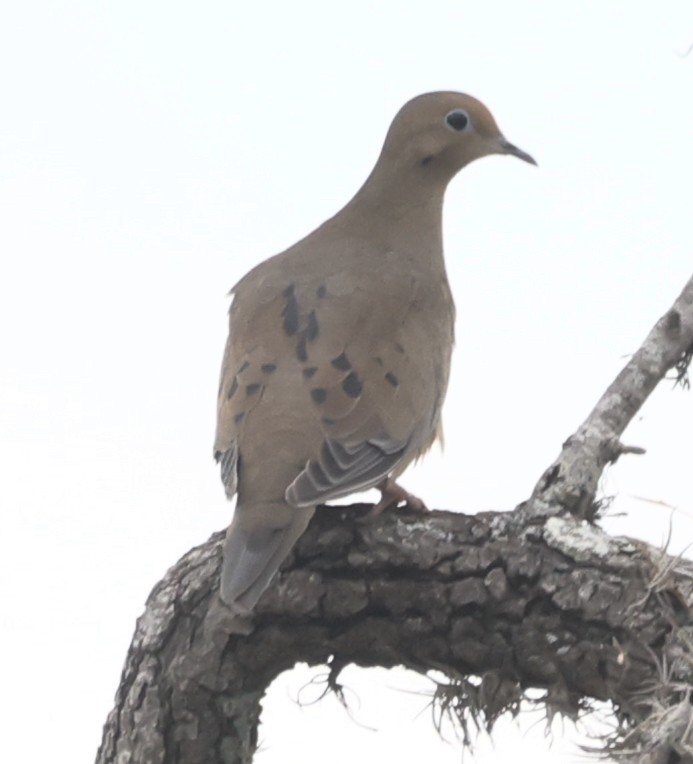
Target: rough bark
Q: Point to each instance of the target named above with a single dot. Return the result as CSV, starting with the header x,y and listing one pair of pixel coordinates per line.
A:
x,y
535,598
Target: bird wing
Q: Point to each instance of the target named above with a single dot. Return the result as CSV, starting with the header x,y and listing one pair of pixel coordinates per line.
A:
x,y
251,358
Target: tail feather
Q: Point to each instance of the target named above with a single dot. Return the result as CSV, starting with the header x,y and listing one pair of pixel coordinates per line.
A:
x,y
253,553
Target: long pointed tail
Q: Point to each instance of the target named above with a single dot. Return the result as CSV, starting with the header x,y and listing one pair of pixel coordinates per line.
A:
x,y
257,542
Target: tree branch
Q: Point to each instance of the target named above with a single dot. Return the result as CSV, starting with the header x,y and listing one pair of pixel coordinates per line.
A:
x,y
570,483
535,598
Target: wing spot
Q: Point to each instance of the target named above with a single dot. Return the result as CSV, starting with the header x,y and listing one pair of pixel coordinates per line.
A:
x,y
392,379
322,292
239,418
327,420
290,312
312,330
232,389
245,365
352,385
268,368
253,388
378,360
341,362
308,334
310,371
318,394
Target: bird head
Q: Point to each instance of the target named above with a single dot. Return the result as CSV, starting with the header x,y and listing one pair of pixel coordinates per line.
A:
x,y
441,133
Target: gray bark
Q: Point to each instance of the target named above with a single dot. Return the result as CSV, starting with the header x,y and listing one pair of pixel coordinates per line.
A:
x,y
535,598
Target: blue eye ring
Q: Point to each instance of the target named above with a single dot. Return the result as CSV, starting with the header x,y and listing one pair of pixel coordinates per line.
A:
x,y
457,120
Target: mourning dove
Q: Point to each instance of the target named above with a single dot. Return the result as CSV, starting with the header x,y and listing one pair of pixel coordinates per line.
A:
x,y
338,355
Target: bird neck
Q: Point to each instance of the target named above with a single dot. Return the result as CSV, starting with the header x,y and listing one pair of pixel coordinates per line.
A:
x,y
404,206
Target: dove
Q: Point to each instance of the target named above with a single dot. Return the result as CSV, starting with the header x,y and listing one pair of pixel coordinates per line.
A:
x,y
337,361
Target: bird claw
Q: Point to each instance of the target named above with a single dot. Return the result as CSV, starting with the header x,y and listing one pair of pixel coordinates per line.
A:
x,y
392,495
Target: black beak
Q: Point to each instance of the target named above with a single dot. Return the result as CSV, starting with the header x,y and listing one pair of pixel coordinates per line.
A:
x,y
508,148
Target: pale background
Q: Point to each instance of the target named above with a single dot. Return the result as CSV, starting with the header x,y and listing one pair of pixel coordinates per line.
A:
x,y
152,152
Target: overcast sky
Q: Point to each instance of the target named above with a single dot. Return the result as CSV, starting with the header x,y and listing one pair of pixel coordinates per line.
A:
x,y
151,152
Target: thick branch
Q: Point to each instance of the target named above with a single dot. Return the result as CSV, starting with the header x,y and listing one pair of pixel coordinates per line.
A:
x,y
567,609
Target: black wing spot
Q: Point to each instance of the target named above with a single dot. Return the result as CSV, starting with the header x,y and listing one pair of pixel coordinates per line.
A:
x,y
232,389
245,365
392,379
290,312
318,394
341,362
312,330
239,418
253,388
268,368
352,385
310,371
322,292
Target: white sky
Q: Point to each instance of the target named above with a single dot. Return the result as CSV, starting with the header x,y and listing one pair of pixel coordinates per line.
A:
x,y
152,152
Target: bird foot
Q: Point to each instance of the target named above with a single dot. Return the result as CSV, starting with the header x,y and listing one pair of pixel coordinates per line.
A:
x,y
392,495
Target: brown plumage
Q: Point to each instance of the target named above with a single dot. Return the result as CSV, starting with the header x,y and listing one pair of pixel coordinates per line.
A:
x,y
338,356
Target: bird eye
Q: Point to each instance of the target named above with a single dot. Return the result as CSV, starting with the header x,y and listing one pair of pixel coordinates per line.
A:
x,y
457,120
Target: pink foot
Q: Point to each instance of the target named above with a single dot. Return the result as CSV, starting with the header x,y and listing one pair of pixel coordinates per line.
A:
x,y
392,495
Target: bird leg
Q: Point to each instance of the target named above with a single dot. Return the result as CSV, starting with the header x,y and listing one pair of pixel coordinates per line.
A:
x,y
392,495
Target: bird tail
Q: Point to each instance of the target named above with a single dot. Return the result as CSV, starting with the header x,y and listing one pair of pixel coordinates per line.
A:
x,y
254,551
